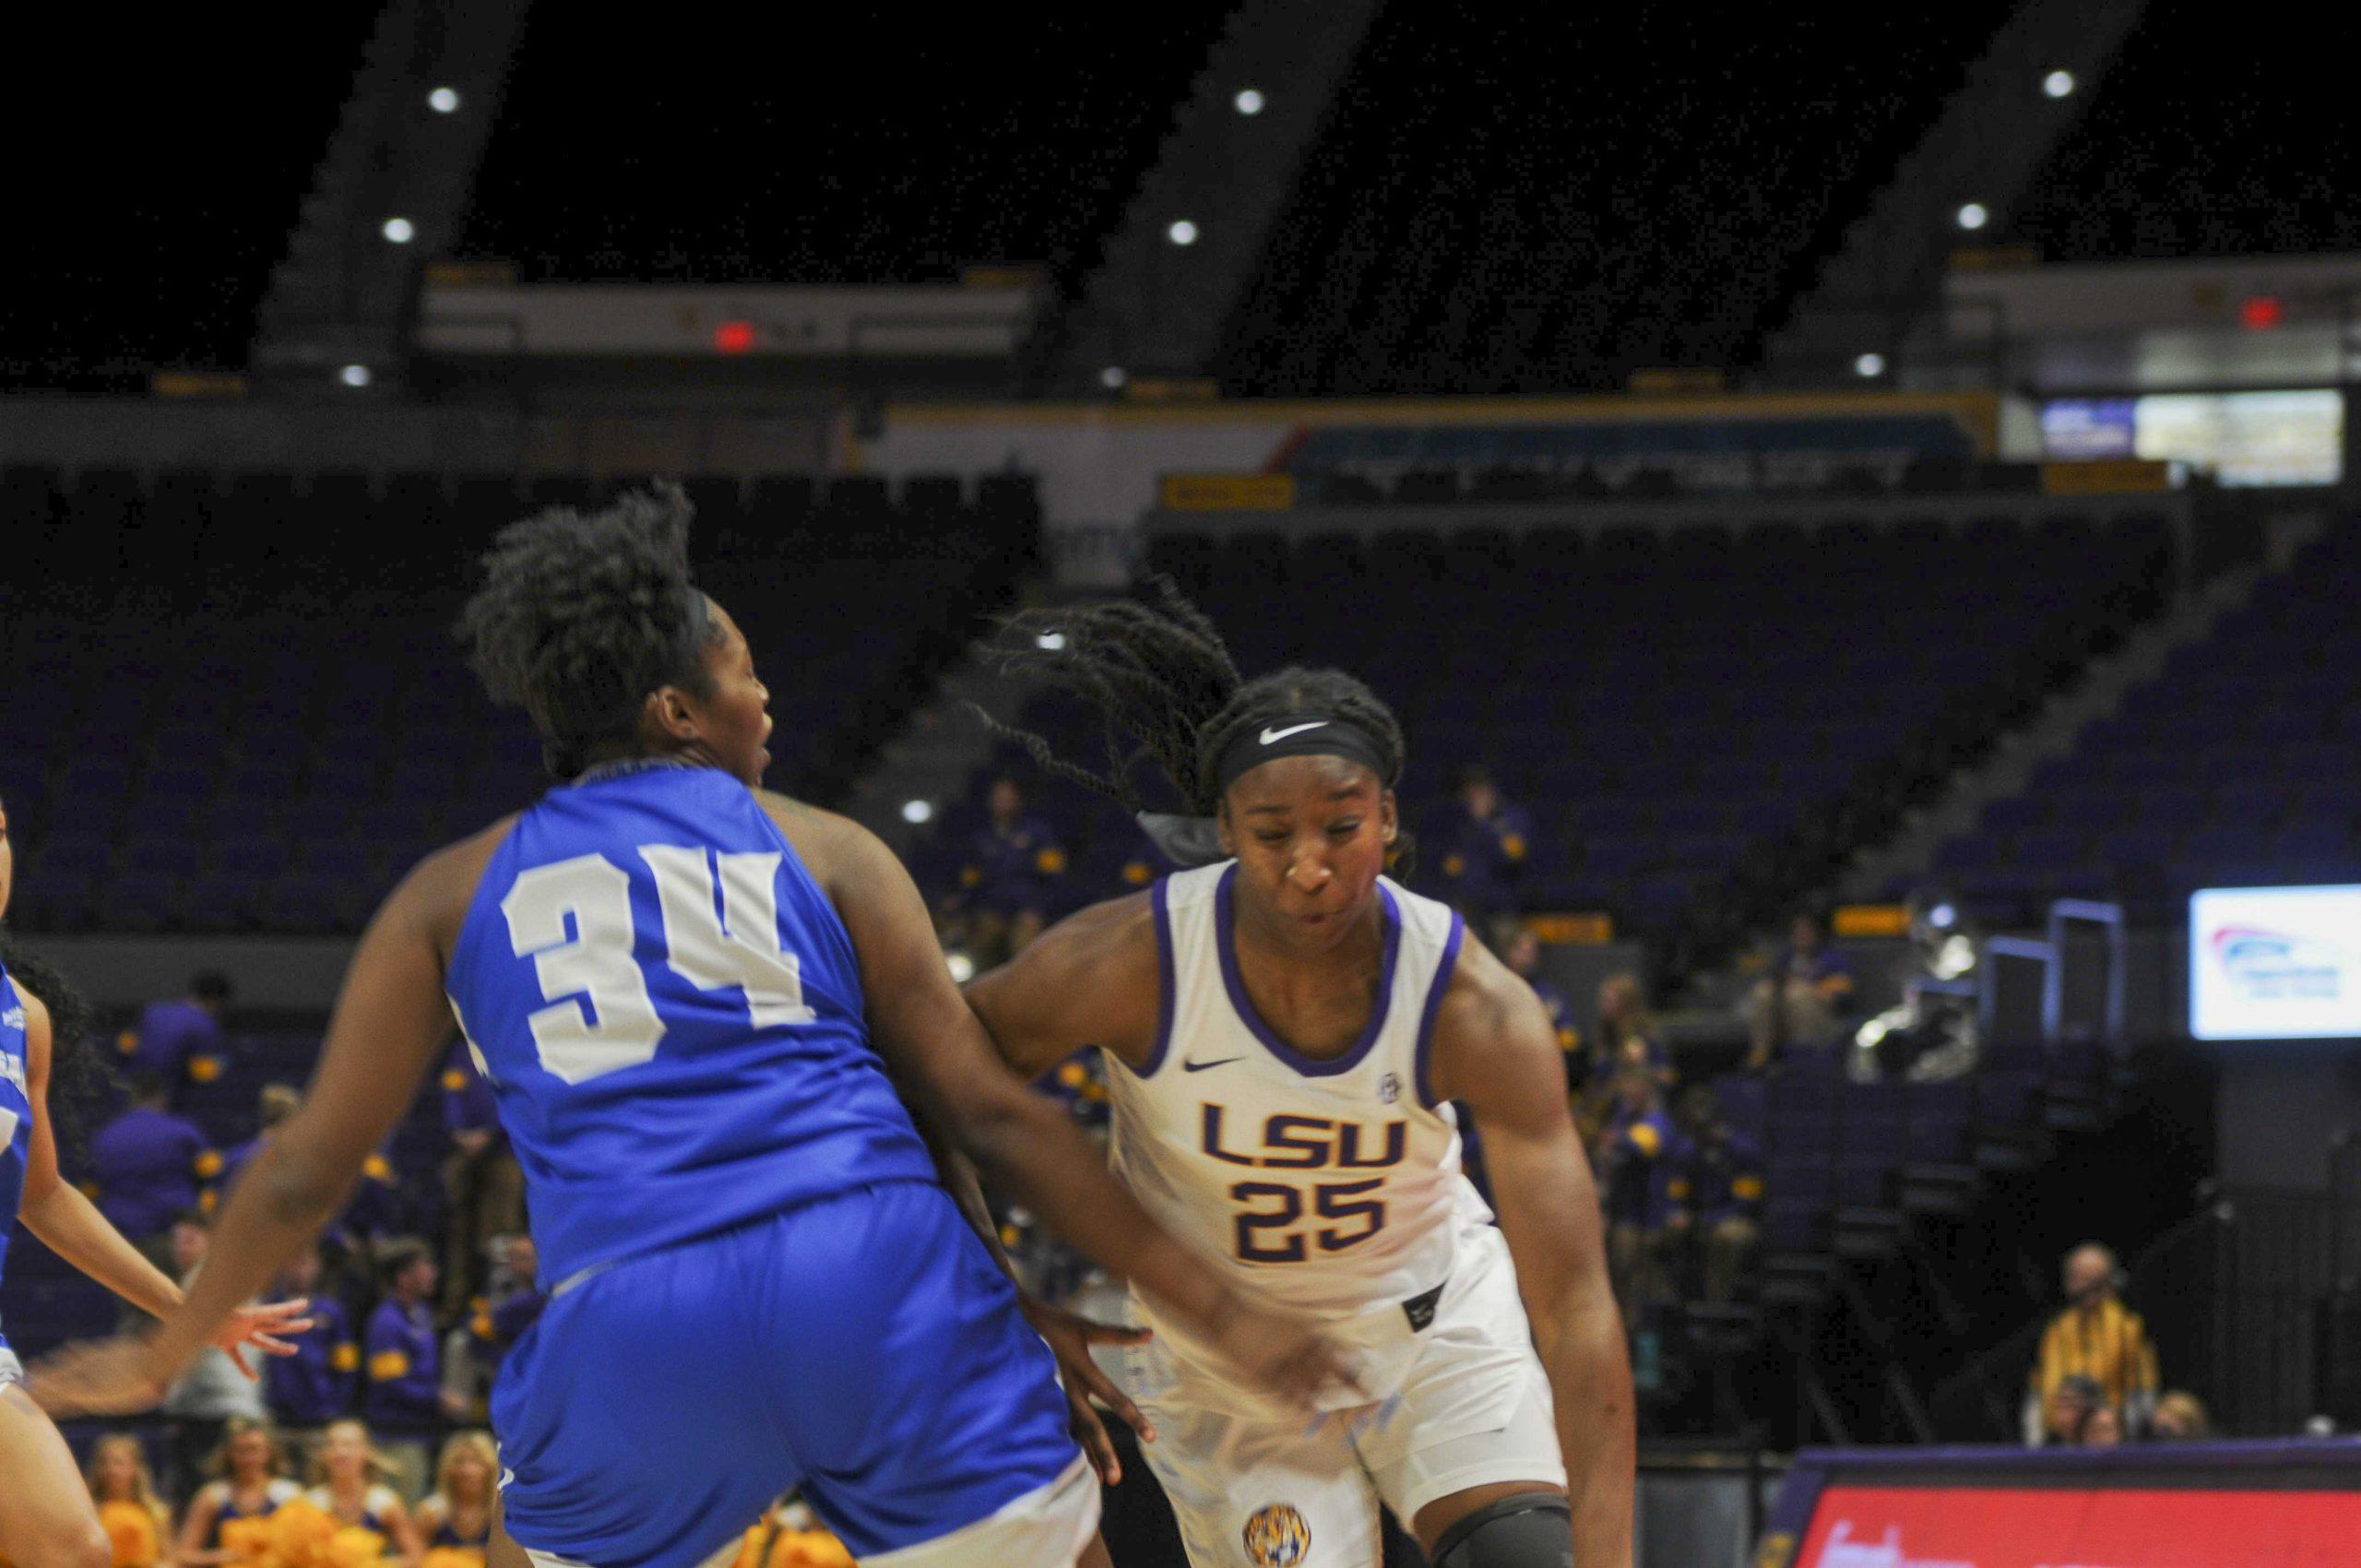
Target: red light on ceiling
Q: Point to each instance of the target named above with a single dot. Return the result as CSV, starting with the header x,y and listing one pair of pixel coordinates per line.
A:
x,y
2261,312
734,337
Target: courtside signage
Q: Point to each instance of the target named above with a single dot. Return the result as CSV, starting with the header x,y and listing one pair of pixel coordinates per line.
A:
x,y
2073,1526
2275,963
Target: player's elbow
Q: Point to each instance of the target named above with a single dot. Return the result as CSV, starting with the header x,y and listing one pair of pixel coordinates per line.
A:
x,y
994,1123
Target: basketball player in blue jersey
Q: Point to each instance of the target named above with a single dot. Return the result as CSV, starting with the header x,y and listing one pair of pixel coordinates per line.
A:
x,y
1287,1030
46,1516
687,995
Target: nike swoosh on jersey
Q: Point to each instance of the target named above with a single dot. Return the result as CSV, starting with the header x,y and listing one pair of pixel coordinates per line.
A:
x,y
1200,1066
1272,736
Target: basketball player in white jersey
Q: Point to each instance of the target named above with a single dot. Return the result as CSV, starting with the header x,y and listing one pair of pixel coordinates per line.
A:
x,y
1287,1029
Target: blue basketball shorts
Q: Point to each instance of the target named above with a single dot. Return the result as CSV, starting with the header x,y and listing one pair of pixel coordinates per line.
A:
x,y
864,1348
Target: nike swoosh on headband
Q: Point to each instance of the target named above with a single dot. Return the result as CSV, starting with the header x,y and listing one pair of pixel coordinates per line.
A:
x,y
1272,736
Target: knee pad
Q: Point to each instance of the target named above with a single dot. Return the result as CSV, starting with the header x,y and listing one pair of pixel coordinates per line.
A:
x,y
1534,1530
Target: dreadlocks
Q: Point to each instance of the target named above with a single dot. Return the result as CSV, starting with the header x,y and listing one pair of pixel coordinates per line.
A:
x,y
76,1076
1163,681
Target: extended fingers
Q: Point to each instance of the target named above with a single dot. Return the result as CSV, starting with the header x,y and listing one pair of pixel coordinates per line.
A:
x,y
1113,1333
1091,1432
1103,1388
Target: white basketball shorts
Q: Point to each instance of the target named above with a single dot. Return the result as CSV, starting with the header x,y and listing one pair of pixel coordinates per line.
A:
x,y
1251,1492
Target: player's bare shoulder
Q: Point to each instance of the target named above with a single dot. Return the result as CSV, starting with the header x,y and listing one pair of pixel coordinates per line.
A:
x,y
440,888
1489,1017
1093,979
833,847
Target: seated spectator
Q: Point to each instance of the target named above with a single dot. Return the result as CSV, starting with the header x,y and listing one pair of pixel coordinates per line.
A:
x,y
274,1104
314,1386
1801,1003
456,1517
347,1486
2102,1428
251,1485
402,1363
1725,1192
129,1510
1639,1160
2066,1411
1521,950
2098,1338
181,1038
1627,1035
1480,845
2179,1418
1009,875
149,1167
215,1391
482,1189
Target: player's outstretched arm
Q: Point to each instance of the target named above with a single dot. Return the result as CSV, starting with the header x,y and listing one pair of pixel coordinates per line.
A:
x,y
70,1225
1494,1050
941,1053
66,1220
389,1025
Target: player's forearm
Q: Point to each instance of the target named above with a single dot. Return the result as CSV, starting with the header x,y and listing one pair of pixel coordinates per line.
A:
x,y
1027,1145
957,1174
71,1226
1589,1383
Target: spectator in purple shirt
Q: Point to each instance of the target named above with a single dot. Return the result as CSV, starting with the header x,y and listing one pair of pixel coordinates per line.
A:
x,y
314,1386
179,1039
150,1166
402,1365
1521,950
483,1190
1640,1160
1802,1001
1481,846
1724,1195
1013,866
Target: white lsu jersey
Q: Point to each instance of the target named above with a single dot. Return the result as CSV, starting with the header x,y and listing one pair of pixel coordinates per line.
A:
x,y
1332,1187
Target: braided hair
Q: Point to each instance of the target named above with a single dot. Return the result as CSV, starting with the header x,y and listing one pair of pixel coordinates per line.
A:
x,y
1168,691
581,615
77,1077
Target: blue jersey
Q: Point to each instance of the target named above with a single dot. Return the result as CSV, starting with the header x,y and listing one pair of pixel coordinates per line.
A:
x,y
670,1016
15,1112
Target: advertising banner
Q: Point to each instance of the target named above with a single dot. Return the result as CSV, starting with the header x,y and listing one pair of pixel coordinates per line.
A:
x,y
2275,963
2082,1527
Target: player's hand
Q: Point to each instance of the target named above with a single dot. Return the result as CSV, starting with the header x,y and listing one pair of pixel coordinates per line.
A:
x,y
1283,1354
260,1326
1070,1339
99,1377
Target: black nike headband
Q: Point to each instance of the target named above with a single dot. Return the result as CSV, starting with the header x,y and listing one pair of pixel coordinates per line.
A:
x,y
1196,840
1298,734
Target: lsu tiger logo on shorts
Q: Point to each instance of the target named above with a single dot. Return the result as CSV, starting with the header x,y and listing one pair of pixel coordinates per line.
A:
x,y
1276,1537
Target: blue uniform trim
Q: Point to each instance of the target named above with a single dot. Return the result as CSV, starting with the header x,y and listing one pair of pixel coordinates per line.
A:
x,y
17,1106
1169,977
1422,1058
1226,941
